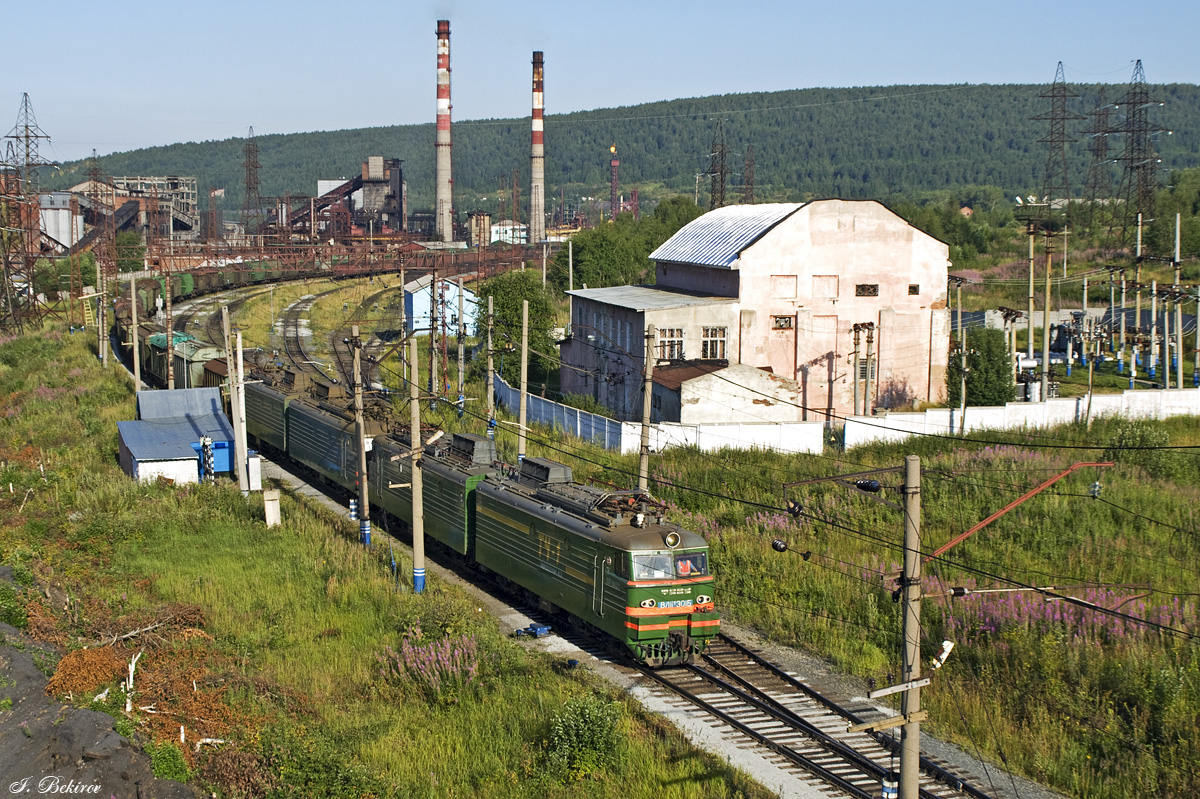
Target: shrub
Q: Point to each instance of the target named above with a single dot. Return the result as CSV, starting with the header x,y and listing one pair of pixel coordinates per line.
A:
x,y
441,670
1134,443
12,609
584,735
167,762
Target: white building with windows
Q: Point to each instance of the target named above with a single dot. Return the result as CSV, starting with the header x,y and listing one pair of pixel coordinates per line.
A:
x,y
778,287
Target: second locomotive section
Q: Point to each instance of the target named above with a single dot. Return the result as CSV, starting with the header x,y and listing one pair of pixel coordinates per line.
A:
x,y
605,557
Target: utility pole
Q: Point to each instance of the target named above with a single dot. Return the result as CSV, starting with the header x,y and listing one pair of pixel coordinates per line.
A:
x,y
544,247
870,364
133,334
1196,360
491,367
571,283
404,316
239,454
1029,343
170,331
910,703
243,451
1046,320
522,414
418,498
433,371
462,338
1121,347
857,337
1153,327
647,398
360,432
1178,362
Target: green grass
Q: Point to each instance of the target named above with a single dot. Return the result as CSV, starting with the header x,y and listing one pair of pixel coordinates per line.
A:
x,y
297,615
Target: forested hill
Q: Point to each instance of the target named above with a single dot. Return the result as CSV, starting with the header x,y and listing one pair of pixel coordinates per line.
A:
x,y
856,143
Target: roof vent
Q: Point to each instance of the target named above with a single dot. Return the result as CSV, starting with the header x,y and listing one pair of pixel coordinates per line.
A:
x,y
537,472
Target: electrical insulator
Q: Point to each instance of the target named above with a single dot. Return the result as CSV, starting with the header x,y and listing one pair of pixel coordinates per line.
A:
x,y
794,508
779,545
867,485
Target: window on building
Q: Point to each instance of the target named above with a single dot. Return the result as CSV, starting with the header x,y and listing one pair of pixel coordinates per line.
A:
x,y
866,290
913,289
781,323
712,345
825,287
862,369
783,286
670,344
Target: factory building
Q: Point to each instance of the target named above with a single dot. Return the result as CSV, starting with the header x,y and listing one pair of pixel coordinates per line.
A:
x,y
779,287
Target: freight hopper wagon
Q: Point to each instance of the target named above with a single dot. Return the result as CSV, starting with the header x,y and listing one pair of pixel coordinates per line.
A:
x,y
602,556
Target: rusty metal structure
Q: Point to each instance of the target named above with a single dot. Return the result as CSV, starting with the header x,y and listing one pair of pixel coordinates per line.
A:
x,y
252,206
1139,176
20,221
1098,189
748,177
718,169
537,163
1056,184
443,186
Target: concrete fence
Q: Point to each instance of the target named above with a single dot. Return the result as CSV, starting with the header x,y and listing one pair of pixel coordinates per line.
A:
x,y
625,437
1017,415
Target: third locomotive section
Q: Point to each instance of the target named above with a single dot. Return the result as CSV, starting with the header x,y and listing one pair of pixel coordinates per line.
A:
x,y
606,558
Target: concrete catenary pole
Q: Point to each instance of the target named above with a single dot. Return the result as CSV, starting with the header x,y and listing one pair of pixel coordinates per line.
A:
x,y
524,404
418,497
1178,362
462,340
910,702
133,334
491,366
870,365
1029,342
239,457
360,432
537,164
170,333
1153,327
443,202
857,341
243,448
647,398
404,317
1045,393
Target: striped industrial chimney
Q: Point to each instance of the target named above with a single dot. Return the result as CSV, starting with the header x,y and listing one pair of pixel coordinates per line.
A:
x,y
537,167
443,202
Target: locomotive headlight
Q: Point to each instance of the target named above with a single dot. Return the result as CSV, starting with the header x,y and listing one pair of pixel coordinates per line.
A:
x,y
703,600
671,540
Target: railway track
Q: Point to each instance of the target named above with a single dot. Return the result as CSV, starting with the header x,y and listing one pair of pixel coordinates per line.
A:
x,y
294,324
801,729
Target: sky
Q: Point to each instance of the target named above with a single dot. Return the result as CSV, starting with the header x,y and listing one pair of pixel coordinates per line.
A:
x,y
121,76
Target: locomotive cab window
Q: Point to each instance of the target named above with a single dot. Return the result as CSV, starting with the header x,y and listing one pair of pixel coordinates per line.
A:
x,y
691,564
653,566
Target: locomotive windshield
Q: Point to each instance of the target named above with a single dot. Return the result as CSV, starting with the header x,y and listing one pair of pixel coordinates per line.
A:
x,y
668,566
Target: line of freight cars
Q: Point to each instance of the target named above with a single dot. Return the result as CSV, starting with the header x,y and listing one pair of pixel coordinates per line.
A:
x,y
150,291
605,557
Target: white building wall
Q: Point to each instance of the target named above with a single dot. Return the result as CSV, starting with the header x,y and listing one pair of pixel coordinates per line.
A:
x,y
739,394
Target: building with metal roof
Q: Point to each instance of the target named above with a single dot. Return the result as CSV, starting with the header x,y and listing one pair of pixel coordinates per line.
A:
x,y
168,439
786,287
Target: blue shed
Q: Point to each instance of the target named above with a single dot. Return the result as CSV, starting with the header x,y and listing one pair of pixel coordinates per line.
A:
x,y
166,441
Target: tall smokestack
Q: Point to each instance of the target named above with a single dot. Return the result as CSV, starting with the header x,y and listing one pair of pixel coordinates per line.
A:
x,y
443,202
537,167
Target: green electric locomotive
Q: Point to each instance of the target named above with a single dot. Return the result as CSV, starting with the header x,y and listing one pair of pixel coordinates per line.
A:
x,y
604,557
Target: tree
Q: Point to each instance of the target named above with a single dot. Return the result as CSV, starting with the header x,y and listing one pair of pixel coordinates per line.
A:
x,y
989,371
131,252
618,254
507,292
